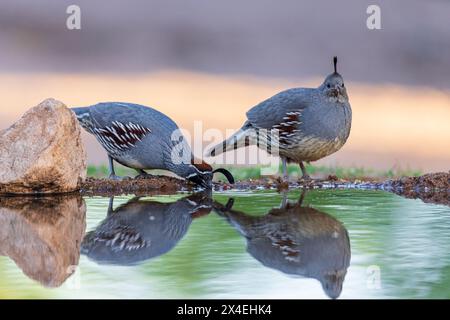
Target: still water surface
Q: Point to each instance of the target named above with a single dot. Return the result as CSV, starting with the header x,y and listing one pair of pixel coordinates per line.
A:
x,y
322,244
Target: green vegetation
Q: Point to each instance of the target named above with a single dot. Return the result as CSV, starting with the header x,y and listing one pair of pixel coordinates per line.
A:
x,y
102,171
254,172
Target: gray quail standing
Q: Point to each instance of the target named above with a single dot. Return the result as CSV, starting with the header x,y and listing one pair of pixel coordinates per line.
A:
x,y
141,229
142,138
296,240
311,123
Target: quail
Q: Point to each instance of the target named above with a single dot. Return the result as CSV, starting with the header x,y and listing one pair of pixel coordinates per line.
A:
x,y
302,124
296,240
141,229
141,137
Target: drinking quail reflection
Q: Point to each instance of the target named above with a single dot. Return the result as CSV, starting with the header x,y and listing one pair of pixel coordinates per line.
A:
x,y
141,229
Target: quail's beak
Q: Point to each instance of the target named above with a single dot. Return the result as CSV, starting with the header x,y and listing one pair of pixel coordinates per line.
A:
x,y
204,181
335,91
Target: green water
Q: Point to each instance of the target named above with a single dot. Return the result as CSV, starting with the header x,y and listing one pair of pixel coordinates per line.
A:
x,y
181,248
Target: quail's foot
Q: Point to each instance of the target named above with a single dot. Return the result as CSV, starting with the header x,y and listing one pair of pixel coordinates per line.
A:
x,y
281,179
305,179
142,174
282,183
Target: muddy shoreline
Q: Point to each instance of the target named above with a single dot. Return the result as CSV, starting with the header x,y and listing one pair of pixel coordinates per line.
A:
x,y
150,185
430,188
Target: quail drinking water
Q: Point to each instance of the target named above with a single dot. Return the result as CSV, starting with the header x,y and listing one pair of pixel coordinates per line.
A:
x,y
310,123
141,137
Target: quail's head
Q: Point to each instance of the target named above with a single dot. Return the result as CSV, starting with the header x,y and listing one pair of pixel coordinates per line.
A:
x,y
332,283
202,174
333,86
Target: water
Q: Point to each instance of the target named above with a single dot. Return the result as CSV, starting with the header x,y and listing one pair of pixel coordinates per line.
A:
x,y
340,243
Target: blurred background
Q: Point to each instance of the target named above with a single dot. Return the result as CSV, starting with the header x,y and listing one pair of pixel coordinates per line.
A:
x,y
213,60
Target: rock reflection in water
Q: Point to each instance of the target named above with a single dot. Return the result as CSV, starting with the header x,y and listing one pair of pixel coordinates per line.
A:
x,y
296,240
43,235
141,229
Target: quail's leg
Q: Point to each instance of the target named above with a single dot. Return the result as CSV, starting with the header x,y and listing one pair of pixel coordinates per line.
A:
x,y
142,174
284,168
112,173
305,176
302,196
284,200
110,206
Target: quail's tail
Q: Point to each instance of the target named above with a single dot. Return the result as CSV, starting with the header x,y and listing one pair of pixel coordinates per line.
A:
x,y
246,136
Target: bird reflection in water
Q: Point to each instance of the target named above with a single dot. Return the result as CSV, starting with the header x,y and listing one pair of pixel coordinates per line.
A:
x,y
142,229
297,240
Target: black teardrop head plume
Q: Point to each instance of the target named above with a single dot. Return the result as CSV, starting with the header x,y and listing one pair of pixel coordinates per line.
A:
x,y
335,63
226,173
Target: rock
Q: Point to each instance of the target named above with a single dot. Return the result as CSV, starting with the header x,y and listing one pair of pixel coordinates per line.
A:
x,y
43,235
42,152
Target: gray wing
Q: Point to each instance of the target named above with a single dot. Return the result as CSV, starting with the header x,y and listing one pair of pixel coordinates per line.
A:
x,y
120,126
274,110
104,114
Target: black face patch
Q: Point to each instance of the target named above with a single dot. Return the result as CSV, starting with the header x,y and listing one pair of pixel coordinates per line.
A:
x,y
203,180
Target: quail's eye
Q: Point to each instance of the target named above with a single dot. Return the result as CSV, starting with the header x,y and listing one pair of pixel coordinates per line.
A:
x,y
328,86
342,84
